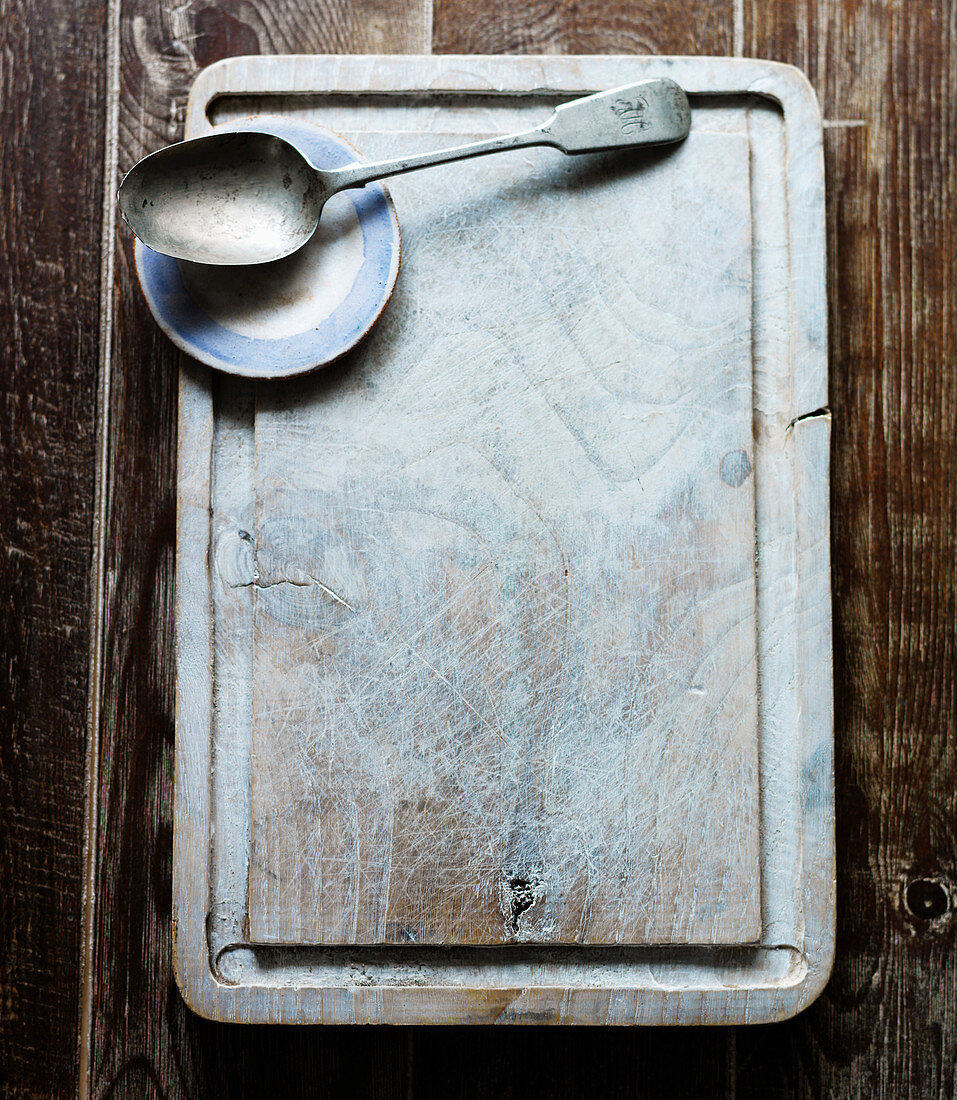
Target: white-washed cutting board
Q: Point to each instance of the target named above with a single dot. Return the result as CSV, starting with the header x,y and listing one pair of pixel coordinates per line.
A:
x,y
504,644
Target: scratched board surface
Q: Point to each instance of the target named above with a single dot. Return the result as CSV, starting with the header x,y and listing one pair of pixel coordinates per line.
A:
x,y
501,572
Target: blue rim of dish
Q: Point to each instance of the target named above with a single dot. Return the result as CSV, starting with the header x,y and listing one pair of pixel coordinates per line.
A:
x,y
192,330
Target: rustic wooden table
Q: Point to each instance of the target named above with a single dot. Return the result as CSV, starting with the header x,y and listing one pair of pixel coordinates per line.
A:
x,y
88,512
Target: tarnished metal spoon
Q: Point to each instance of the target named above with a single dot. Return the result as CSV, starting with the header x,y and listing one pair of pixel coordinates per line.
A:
x,y
250,197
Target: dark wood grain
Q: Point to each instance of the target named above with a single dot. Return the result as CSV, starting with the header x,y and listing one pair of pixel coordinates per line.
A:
x,y
51,153
584,26
888,1020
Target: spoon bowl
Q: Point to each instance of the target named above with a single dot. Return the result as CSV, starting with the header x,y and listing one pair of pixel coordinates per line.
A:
x,y
238,198
302,312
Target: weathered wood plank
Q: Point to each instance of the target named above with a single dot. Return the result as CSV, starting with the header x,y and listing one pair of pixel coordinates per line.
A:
x,y
887,77
52,59
584,27
143,1040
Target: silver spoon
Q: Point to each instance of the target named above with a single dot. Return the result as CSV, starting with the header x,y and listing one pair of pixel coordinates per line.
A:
x,y
250,197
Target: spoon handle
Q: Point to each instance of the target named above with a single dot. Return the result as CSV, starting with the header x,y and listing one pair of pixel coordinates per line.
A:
x,y
651,112
358,175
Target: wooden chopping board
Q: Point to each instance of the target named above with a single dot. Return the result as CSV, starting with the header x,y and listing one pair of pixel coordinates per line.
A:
x,y
497,648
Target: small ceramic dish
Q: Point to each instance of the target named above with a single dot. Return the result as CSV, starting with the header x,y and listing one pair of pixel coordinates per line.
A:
x,y
293,315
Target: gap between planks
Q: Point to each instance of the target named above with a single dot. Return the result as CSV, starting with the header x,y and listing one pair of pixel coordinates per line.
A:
x,y
98,546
